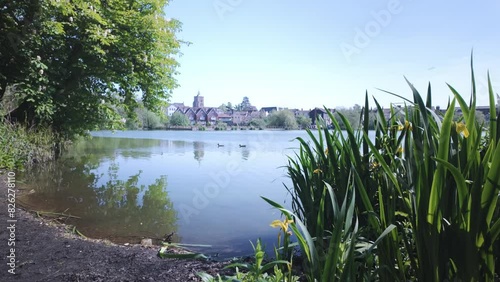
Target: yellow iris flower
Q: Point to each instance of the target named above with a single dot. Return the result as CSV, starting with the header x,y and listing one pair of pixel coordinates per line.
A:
x,y
407,125
462,128
281,224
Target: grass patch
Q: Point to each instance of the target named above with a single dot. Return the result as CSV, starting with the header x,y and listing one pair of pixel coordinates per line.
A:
x,y
23,146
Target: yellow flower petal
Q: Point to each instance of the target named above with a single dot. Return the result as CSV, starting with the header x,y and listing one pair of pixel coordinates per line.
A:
x,y
326,151
317,171
408,125
462,128
276,223
281,224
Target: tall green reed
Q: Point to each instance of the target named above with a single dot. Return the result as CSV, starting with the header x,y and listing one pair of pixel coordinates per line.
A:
x,y
435,179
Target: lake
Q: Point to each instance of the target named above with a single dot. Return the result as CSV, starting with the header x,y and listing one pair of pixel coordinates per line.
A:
x,y
129,185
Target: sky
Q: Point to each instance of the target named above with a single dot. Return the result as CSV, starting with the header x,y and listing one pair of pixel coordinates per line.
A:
x,y
306,54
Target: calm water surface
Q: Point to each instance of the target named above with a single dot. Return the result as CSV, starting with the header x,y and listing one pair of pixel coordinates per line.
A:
x,y
129,185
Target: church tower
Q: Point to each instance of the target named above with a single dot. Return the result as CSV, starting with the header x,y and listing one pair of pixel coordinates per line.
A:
x,y
198,101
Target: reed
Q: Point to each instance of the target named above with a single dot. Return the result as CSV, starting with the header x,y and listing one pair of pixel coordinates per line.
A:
x,y
426,184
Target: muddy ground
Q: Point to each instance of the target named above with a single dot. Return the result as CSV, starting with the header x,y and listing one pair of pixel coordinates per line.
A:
x,y
46,251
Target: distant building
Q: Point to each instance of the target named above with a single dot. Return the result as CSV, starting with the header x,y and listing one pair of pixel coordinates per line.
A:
x,y
320,113
267,110
297,112
199,101
173,107
225,118
200,115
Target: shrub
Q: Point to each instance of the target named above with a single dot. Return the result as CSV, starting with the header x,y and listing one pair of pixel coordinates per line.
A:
x,y
178,119
23,147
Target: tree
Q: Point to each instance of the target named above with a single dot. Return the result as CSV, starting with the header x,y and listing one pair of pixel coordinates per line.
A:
x,y
303,121
178,119
352,115
229,107
258,122
245,104
72,62
284,119
148,119
222,107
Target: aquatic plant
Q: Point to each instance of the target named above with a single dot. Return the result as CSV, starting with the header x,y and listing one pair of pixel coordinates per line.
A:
x,y
426,182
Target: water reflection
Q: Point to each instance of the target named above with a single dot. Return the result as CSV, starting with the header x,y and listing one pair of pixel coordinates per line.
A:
x,y
198,150
245,153
119,189
109,204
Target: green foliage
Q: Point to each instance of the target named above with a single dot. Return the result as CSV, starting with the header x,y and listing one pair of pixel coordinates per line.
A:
x,y
277,276
178,119
221,126
258,122
21,146
245,104
304,122
340,254
351,114
282,119
150,120
257,271
258,268
425,184
72,62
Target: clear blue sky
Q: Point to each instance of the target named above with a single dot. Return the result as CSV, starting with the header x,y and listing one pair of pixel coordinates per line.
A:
x,y
303,54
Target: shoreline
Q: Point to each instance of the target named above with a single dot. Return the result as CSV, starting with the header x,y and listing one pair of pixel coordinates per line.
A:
x,y
41,250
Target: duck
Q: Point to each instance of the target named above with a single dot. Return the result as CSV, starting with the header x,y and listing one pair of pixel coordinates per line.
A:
x,y
242,146
220,145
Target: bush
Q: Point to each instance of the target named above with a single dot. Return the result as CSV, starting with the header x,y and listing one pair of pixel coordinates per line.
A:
x,y
303,121
283,119
23,147
258,122
221,126
178,119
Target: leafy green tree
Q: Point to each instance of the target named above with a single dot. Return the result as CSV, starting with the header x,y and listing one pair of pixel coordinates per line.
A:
x,y
151,120
229,107
178,119
303,121
481,118
258,122
71,62
283,119
245,104
352,114
222,107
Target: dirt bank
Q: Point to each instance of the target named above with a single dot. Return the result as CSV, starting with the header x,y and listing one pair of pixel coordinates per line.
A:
x,y
45,251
